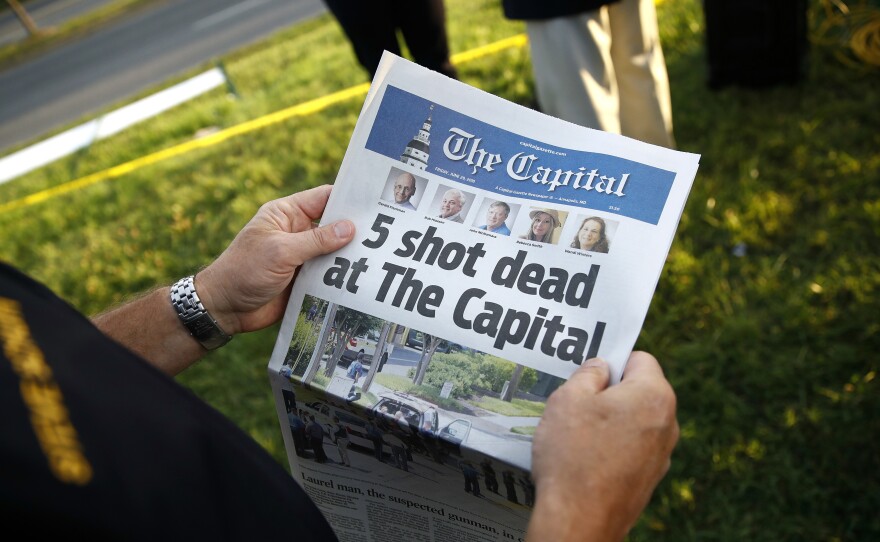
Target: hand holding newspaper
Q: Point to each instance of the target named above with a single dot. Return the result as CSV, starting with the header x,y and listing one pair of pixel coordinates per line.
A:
x,y
491,240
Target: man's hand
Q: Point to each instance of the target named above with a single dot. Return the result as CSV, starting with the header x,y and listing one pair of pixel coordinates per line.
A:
x,y
247,287
599,452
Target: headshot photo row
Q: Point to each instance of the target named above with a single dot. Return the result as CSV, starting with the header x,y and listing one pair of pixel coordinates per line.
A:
x,y
587,232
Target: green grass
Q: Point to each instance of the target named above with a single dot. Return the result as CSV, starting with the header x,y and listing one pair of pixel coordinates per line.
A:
x,y
321,381
773,354
367,400
395,382
517,407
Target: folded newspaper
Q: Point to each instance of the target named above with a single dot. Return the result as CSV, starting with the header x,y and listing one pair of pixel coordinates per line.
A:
x,y
497,249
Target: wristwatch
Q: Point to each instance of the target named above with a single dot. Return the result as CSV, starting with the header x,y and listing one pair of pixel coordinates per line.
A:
x,y
195,317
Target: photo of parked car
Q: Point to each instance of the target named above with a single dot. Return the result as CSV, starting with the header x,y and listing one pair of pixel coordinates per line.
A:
x,y
349,355
356,345
416,339
417,413
425,436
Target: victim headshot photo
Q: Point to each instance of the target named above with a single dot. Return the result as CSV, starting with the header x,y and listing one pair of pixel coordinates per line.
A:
x,y
403,189
494,216
545,225
594,234
451,204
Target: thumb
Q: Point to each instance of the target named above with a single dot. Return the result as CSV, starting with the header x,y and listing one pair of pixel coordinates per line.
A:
x,y
308,244
592,377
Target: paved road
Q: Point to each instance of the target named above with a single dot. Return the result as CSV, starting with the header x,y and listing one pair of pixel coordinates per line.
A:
x,y
139,51
45,14
401,360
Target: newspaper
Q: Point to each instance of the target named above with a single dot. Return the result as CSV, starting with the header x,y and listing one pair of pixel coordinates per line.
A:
x,y
496,249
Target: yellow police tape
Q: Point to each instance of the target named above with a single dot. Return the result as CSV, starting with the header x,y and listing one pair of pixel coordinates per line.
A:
x,y
307,108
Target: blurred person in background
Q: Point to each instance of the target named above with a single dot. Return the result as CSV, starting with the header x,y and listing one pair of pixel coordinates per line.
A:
x,y
372,28
599,63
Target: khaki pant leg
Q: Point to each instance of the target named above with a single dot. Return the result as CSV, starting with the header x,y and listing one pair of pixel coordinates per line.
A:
x,y
574,76
645,104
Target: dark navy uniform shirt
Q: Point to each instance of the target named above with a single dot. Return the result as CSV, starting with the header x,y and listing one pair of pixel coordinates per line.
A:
x,y
95,441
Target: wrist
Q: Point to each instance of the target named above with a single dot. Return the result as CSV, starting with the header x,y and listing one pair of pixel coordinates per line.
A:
x,y
211,294
563,516
191,312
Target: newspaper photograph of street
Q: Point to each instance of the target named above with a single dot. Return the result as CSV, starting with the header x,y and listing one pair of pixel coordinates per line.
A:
x,y
451,399
339,445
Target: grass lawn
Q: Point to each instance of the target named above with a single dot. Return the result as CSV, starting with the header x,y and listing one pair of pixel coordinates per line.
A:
x,y
525,430
517,407
396,382
765,316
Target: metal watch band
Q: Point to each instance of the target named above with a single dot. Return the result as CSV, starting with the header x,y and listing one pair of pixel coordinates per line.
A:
x,y
194,316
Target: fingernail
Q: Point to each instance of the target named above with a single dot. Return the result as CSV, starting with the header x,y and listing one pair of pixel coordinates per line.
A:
x,y
342,229
595,362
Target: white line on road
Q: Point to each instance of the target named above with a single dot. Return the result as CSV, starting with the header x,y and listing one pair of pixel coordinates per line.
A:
x,y
227,13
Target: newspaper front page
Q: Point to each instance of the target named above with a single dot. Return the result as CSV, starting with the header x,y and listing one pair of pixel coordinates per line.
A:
x,y
496,249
